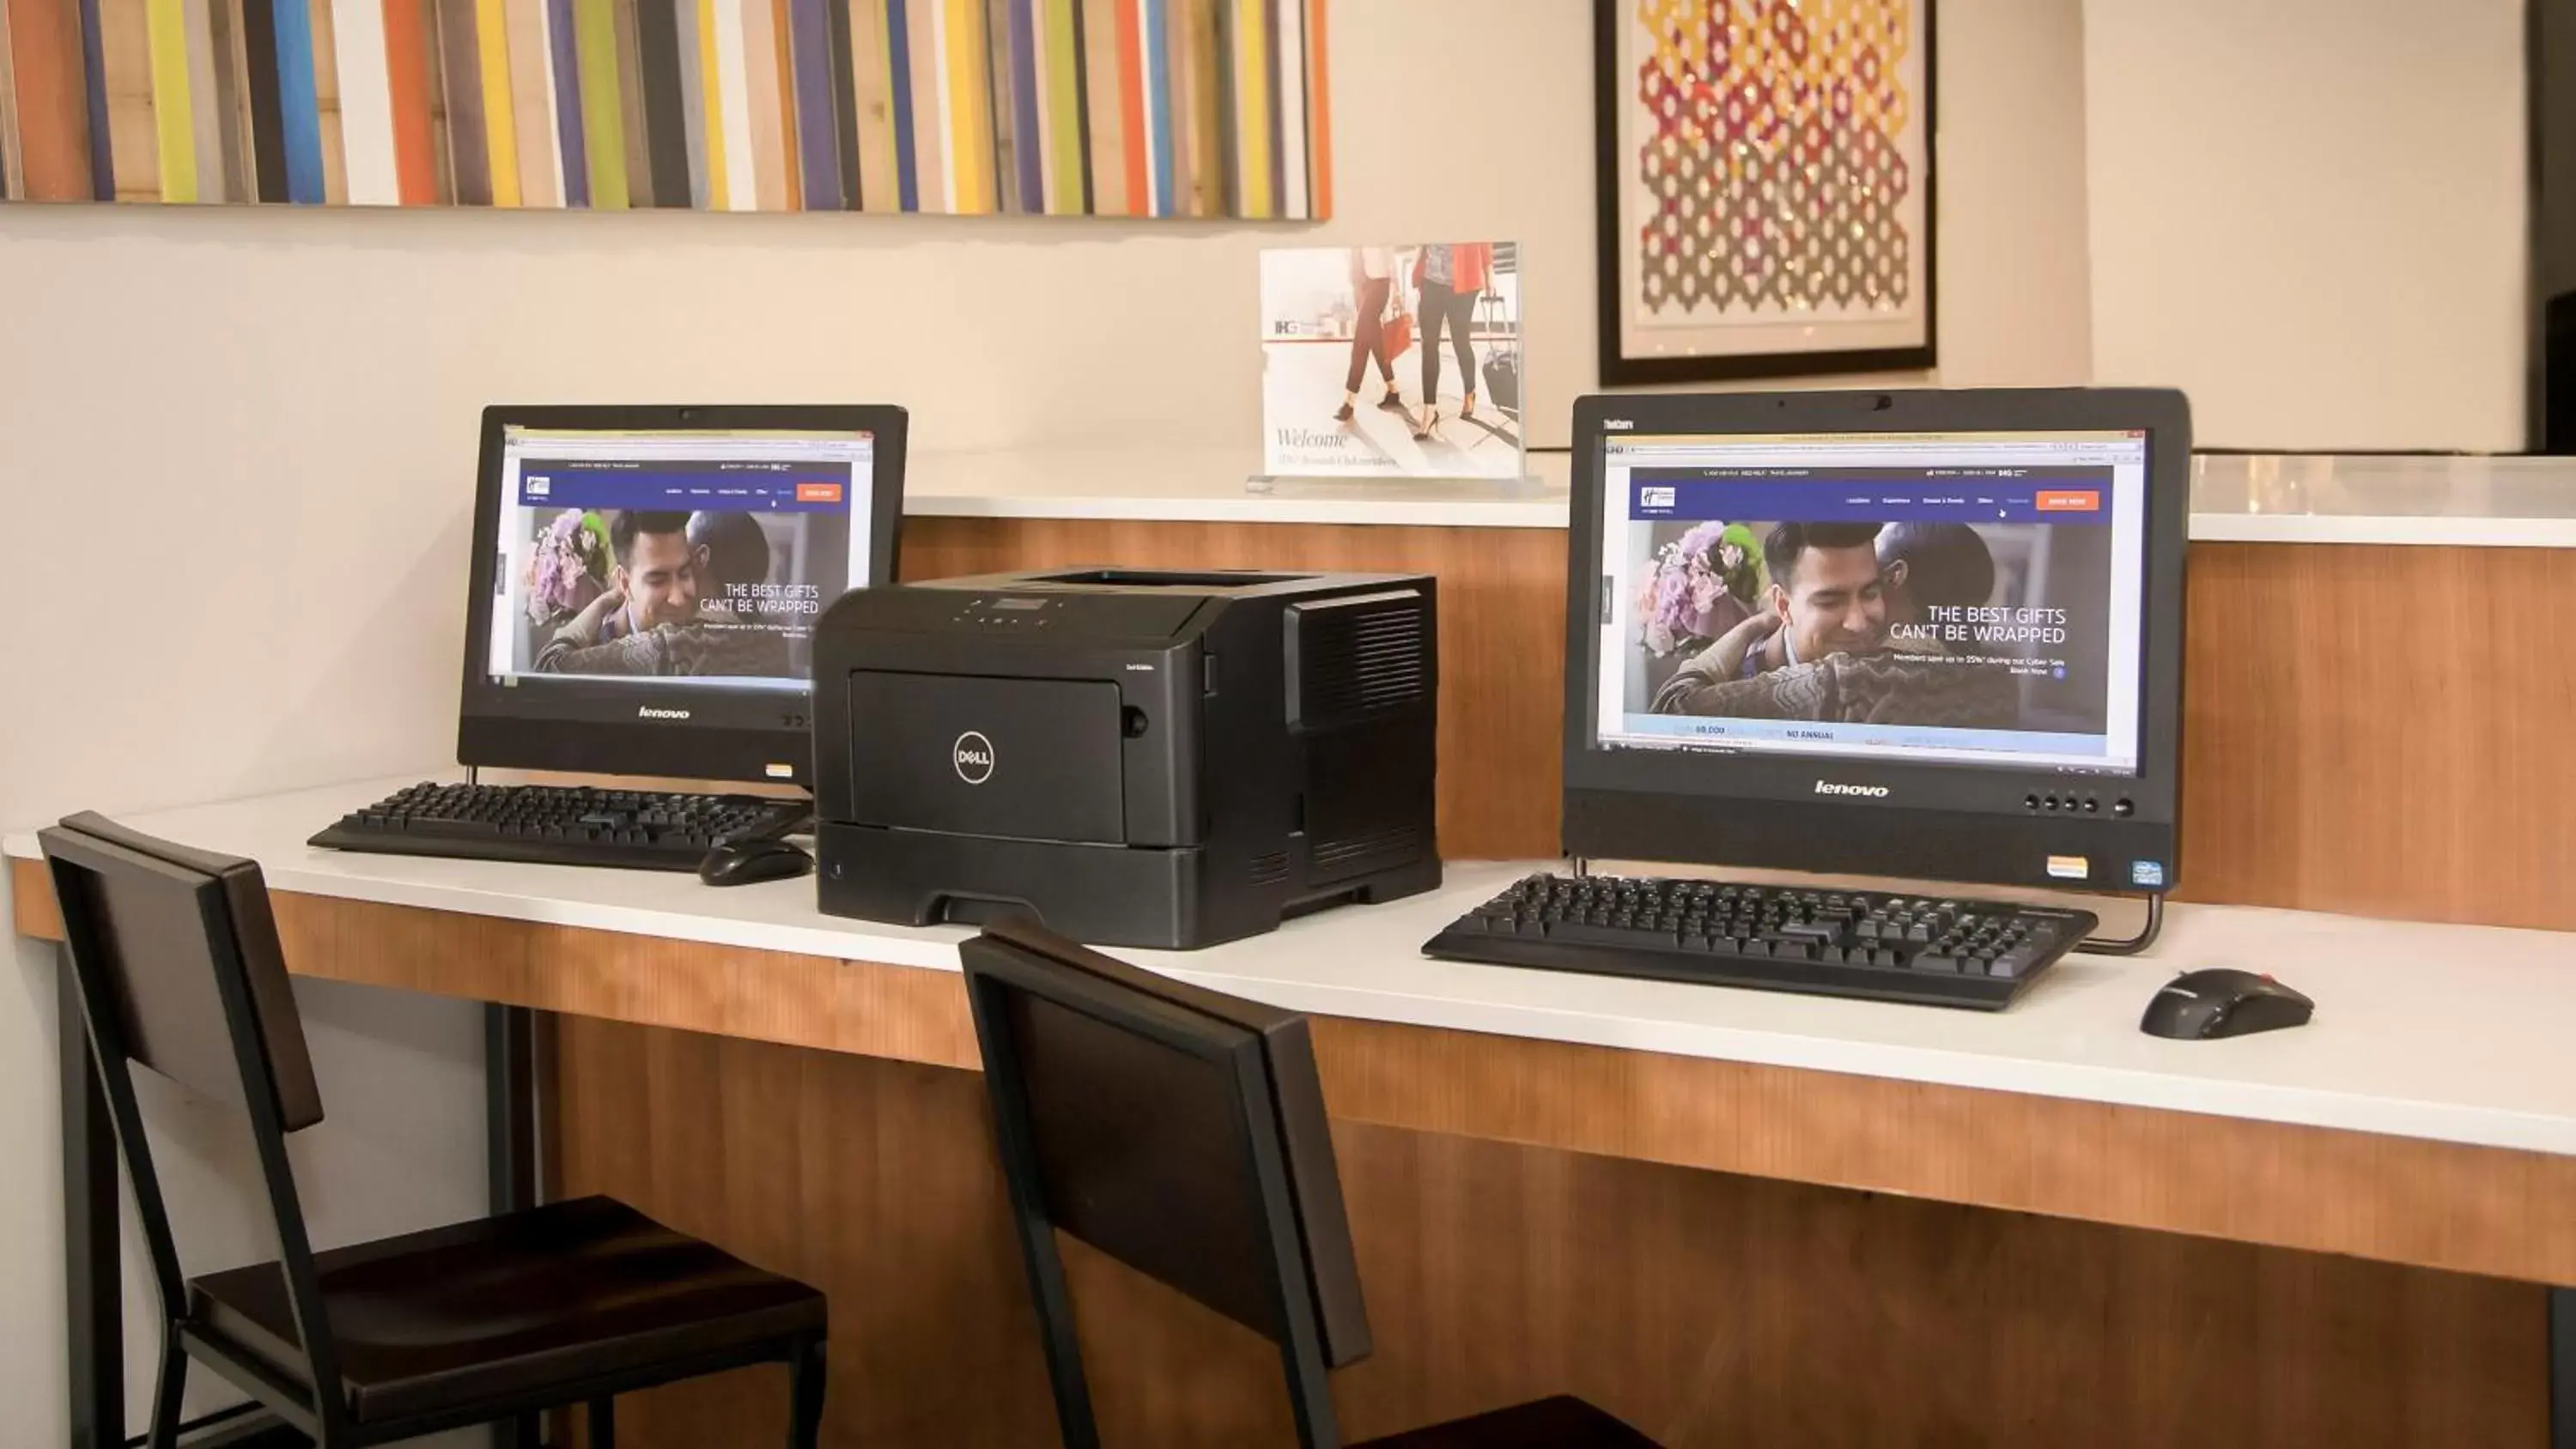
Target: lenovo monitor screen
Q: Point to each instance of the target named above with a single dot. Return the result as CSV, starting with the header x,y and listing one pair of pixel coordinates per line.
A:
x,y
648,582
1899,636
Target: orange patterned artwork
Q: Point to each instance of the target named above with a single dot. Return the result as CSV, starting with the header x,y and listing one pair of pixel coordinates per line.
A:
x,y
1766,187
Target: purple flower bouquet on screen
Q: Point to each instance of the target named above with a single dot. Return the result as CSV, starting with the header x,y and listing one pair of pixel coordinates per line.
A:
x,y
569,567
1697,587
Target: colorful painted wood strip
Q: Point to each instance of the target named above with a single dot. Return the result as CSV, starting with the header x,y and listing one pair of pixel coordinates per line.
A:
x,y
739,179
1319,108
532,106
1143,108
204,125
1288,108
782,99
572,133
1016,73
174,127
1068,150
102,155
629,53
1163,110
871,91
603,120
907,161
810,50
664,101
841,59
323,28
411,85
460,92
491,53
9,159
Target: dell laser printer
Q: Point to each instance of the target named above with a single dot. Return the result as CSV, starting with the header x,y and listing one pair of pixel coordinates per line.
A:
x,y
1137,758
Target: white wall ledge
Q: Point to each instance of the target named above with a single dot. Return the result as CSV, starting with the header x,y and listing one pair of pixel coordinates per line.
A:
x,y
2462,500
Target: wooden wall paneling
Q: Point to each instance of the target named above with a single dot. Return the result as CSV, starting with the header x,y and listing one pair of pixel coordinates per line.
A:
x,y
32,910
1707,1308
2370,730
2382,731
2468,1209
874,1180
2436,1204
1502,634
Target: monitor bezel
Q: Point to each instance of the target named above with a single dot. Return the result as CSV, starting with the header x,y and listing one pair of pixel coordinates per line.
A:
x,y
489,739
1935,821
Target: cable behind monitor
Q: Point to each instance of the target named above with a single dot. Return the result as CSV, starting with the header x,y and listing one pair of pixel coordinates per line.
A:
x,y
2130,945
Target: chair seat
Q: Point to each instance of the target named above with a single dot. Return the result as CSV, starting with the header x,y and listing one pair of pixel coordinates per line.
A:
x,y
478,1312
1563,1422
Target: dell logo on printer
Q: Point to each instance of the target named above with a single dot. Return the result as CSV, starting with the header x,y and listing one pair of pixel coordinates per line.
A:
x,y
972,756
649,712
1872,792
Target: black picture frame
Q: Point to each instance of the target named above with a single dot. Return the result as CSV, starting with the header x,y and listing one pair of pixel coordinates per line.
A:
x,y
1617,368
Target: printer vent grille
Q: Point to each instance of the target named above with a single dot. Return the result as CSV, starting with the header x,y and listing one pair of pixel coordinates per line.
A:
x,y
1358,656
1270,869
1401,840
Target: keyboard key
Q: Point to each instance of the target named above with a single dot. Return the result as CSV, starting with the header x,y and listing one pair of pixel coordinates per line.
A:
x,y
1587,933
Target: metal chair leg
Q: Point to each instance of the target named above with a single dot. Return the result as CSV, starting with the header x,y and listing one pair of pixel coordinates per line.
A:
x,y
805,1372
602,1422
173,1385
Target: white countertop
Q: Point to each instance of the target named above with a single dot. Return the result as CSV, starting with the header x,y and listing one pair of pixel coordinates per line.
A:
x,y
2236,498
2452,1033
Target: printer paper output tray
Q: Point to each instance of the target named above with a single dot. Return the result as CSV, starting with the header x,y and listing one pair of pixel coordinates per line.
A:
x,y
1104,895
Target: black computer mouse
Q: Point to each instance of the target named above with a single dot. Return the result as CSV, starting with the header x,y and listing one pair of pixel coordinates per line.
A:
x,y
748,862
2199,1005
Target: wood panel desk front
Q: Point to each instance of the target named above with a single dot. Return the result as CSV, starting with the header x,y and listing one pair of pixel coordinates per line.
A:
x,y
1731,1217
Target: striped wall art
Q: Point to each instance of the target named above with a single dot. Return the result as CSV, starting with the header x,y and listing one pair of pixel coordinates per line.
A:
x,y
1151,108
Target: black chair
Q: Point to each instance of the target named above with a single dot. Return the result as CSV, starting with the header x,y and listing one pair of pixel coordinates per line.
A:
x,y
1182,1132
570,1303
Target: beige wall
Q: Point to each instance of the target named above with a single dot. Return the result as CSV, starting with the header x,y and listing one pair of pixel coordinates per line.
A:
x,y
236,452
2310,214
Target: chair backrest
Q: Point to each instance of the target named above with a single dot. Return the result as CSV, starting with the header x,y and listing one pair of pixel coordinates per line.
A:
x,y
1178,1130
177,959
170,932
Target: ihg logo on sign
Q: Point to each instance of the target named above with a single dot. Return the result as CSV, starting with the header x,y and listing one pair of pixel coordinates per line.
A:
x,y
973,757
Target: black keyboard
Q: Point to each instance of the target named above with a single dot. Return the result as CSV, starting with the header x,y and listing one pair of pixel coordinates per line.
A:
x,y
1925,949
561,825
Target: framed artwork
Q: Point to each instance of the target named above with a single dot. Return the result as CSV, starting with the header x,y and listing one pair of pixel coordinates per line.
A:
x,y
1766,196
1138,108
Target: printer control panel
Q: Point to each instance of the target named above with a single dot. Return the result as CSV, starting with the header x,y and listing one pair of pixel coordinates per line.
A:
x,y
1151,620
1026,612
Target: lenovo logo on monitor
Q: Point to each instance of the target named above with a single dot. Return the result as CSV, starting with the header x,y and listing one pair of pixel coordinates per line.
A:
x,y
1870,792
649,712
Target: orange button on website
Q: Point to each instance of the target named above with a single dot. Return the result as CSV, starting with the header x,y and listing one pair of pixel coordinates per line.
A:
x,y
831,493
2063,500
